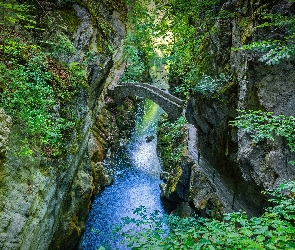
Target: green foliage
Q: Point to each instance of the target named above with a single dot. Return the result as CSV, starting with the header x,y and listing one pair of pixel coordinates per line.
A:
x,y
78,76
135,61
278,53
35,89
207,84
13,13
61,46
17,50
25,149
274,51
171,140
265,125
29,98
138,44
273,230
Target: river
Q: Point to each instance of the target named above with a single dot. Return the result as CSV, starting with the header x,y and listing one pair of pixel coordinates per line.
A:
x,y
136,171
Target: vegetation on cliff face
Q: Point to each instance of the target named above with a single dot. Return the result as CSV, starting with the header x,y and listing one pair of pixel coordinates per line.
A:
x,y
35,86
281,22
49,51
265,125
275,48
171,141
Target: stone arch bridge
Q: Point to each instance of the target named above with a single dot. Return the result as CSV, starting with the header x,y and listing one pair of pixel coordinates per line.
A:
x,y
172,105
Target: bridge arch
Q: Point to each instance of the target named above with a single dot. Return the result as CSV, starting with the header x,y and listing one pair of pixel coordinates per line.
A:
x,y
172,105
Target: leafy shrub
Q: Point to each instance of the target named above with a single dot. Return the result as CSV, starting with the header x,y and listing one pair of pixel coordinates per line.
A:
x,y
273,230
35,90
264,125
61,46
207,84
28,96
272,52
171,140
135,64
13,13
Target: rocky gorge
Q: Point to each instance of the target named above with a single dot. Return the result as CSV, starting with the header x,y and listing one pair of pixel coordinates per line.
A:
x,y
44,201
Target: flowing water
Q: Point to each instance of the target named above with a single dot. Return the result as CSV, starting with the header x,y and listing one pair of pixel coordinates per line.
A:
x,y
136,171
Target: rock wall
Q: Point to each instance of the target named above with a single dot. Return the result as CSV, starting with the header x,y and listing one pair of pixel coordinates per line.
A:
x,y
249,168
5,123
44,202
269,88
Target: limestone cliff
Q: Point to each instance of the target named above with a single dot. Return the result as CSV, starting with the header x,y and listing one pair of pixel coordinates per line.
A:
x,y
232,170
247,167
44,201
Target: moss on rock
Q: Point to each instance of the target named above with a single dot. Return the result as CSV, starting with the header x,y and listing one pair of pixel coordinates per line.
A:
x,y
70,20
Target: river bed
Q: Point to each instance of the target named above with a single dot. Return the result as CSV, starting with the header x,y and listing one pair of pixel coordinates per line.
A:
x,y
136,171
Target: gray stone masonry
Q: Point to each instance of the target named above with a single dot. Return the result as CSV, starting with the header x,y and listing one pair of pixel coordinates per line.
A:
x,y
172,105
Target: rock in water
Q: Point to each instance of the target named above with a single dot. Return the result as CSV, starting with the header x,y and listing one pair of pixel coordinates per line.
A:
x,y
150,138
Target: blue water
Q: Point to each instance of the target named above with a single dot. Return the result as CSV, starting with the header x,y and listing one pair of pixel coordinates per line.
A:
x,y
136,171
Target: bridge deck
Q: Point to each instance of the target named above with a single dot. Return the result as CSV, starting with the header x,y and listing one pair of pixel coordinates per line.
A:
x,y
163,92
172,105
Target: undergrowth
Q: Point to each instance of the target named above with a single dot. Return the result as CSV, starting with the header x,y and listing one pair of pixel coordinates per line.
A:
x,y
273,230
35,87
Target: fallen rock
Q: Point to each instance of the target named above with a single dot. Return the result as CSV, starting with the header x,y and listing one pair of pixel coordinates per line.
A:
x,y
101,177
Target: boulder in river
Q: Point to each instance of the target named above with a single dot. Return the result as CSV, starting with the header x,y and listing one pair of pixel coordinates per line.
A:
x,y
149,138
